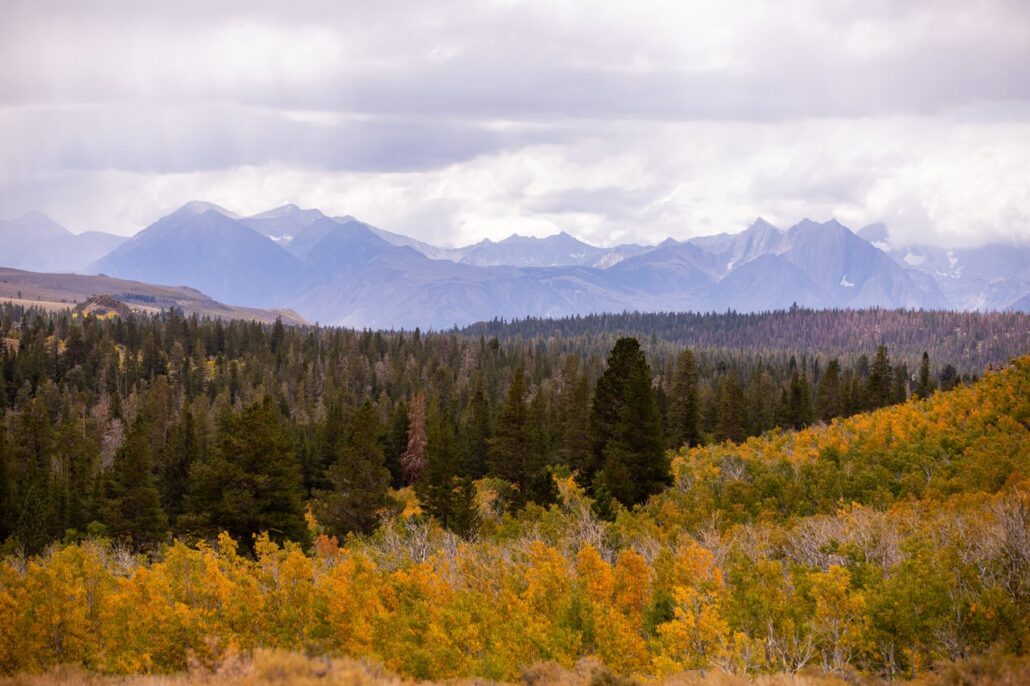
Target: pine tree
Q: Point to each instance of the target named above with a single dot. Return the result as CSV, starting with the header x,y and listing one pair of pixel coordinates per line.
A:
x,y
435,485
878,387
635,464
574,447
132,501
328,434
609,400
899,386
732,408
251,481
75,482
359,479
464,516
924,385
476,435
395,442
7,479
31,502
799,412
181,452
828,400
684,407
511,457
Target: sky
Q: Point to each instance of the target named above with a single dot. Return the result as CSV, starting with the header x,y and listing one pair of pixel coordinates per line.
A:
x,y
456,121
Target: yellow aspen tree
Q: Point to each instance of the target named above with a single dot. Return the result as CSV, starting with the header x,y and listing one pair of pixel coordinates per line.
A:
x,y
841,623
698,633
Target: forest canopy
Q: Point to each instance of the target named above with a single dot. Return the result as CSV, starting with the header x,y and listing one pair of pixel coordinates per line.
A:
x,y
175,490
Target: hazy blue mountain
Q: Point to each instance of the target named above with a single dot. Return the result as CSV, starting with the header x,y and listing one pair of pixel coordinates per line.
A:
x,y
339,270
670,267
765,283
37,243
283,224
846,268
852,272
759,238
988,277
209,251
559,250
330,235
435,252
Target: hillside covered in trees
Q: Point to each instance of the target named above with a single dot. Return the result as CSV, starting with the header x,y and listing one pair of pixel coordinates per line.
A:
x,y
135,426
969,340
848,546
178,490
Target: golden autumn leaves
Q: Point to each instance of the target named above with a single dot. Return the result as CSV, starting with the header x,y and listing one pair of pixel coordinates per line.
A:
x,y
880,543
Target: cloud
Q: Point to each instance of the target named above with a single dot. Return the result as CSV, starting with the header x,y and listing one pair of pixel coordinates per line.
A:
x,y
472,119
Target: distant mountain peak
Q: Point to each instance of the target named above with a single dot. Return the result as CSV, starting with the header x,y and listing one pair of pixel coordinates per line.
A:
x,y
761,223
288,210
202,206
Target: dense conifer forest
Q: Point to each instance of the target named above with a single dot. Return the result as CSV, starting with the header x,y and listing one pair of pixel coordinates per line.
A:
x,y
470,503
968,340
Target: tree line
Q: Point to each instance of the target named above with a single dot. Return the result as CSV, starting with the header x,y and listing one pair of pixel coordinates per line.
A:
x,y
147,426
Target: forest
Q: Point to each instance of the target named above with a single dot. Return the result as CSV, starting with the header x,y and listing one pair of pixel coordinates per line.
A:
x,y
968,340
456,504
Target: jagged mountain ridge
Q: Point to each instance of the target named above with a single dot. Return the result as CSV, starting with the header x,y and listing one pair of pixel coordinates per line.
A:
x,y
339,270
988,277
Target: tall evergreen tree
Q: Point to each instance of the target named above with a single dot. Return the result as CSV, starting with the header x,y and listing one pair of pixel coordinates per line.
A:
x,y
511,454
799,412
7,479
476,434
76,478
181,452
437,485
828,392
359,480
635,464
899,384
879,386
574,447
31,503
684,408
924,385
132,501
609,400
732,409
251,481
395,442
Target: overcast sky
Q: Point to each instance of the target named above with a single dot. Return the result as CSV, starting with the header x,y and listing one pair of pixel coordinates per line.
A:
x,y
454,121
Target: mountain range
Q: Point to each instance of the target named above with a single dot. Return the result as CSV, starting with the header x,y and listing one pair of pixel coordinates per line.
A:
x,y
36,242
339,270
